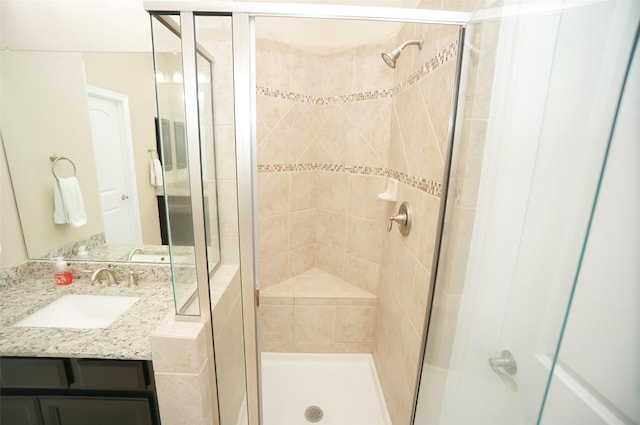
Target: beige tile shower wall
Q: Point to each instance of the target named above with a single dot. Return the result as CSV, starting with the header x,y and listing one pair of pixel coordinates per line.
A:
x,y
317,216
402,303
330,220
417,147
465,178
229,343
215,35
476,85
184,372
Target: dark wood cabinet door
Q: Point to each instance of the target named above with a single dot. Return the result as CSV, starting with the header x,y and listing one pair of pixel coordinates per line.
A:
x,y
95,411
19,410
121,375
33,373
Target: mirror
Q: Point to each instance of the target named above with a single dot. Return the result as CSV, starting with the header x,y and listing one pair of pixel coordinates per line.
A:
x,y
97,112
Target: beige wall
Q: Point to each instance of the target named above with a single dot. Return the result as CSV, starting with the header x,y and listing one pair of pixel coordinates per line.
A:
x,y
44,111
11,240
12,248
104,70
101,70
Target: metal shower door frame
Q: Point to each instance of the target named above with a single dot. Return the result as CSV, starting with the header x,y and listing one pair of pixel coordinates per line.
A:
x,y
243,16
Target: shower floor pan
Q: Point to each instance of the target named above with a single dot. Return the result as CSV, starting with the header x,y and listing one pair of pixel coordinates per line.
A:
x,y
344,386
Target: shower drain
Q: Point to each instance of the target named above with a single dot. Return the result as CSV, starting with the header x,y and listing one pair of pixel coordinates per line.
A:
x,y
313,414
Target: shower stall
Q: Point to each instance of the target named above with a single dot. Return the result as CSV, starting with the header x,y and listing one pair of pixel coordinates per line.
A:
x,y
319,135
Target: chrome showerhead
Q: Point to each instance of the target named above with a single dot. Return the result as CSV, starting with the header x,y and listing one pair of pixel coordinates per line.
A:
x,y
391,58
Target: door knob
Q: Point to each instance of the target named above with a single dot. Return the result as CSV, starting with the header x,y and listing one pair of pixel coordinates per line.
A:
x,y
505,362
124,197
505,367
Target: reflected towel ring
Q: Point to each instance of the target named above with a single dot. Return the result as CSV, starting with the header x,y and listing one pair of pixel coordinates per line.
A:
x,y
54,160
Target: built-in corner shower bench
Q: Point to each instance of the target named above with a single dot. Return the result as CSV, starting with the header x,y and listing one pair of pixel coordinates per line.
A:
x,y
316,312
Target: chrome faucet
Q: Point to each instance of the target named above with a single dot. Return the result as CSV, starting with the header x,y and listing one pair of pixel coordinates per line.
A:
x,y
133,252
96,277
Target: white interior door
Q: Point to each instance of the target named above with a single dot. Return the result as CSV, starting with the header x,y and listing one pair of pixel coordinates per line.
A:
x,y
583,90
113,153
597,376
558,80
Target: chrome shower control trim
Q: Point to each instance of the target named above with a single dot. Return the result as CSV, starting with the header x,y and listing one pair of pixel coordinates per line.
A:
x,y
403,218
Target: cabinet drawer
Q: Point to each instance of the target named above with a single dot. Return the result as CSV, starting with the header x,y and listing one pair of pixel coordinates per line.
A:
x,y
109,375
33,373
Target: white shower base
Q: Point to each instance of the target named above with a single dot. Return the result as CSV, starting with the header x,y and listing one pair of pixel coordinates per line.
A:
x,y
344,386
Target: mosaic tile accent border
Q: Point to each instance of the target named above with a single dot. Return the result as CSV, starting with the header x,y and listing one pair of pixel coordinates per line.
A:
x,y
431,187
323,101
441,58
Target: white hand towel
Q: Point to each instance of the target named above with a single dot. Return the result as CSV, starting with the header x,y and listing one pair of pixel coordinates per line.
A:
x,y
59,214
68,203
152,173
155,173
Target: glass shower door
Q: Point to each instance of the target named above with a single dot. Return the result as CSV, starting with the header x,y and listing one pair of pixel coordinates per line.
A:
x,y
526,167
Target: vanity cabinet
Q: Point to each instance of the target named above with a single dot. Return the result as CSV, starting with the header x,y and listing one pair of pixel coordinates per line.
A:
x,y
44,391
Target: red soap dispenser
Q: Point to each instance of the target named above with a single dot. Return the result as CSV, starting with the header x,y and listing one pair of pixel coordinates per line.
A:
x,y
63,276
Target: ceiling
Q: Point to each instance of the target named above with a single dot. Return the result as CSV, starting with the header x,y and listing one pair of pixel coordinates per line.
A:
x,y
123,26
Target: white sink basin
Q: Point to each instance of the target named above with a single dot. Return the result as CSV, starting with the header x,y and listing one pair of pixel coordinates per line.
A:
x,y
79,311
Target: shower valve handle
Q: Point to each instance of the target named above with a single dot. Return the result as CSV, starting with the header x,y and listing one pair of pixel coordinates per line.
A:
x,y
403,218
400,219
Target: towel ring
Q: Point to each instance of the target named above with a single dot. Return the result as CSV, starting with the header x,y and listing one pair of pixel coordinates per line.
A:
x,y
54,160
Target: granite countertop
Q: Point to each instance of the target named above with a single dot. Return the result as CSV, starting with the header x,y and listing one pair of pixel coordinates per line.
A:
x,y
126,338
